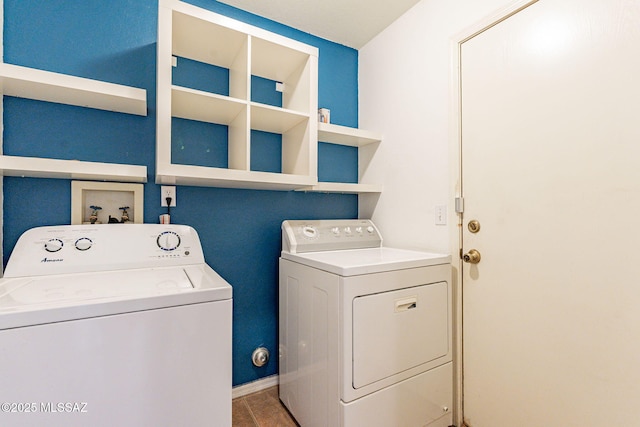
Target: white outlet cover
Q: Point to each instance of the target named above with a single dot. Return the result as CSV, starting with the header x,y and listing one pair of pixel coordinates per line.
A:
x,y
167,191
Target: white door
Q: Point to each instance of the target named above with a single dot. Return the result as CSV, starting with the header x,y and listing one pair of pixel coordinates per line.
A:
x,y
551,170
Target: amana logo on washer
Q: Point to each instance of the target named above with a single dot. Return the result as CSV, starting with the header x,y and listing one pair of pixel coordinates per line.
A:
x,y
45,259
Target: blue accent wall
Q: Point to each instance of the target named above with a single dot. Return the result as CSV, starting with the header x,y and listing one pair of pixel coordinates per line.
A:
x,y
115,41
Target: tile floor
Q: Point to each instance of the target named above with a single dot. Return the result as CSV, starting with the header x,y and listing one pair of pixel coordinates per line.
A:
x,y
261,409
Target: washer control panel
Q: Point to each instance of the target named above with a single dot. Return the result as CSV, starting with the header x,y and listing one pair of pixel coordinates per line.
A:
x,y
300,236
102,247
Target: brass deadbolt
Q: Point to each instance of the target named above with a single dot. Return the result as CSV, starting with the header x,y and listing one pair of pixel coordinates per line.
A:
x,y
471,257
474,226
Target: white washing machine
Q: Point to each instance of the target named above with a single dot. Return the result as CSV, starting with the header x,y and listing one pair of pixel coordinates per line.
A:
x,y
365,330
114,325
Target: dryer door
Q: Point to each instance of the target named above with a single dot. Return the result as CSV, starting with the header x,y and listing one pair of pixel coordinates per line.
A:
x,y
398,330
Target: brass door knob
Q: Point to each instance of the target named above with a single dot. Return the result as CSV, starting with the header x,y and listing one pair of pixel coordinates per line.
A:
x,y
472,257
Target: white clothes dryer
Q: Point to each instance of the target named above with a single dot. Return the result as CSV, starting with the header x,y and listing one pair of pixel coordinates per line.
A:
x,y
364,330
114,325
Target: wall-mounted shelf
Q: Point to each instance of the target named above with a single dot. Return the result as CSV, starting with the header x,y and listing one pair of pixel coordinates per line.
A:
x,y
216,41
230,178
34,167
345,188
342,135
24,82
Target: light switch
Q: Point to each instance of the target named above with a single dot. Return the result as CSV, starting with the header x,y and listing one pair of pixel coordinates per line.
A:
x,y
441,215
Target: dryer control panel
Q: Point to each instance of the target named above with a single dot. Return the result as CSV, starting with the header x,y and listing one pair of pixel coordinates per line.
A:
x,y
299,236
103,247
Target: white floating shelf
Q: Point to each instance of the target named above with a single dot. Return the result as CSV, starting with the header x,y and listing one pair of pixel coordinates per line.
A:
x,y
343,135
338,187
24,82
202,176
34,167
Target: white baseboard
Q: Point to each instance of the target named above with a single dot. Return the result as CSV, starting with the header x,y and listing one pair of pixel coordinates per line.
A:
x,y
254,386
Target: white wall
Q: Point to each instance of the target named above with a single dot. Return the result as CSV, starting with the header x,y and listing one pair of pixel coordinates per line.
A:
x,y
404,85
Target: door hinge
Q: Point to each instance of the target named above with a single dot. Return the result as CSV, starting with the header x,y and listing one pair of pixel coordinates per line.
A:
x,y
459,205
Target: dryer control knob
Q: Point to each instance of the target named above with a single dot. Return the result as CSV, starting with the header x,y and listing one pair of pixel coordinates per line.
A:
x,y
370,229
309,232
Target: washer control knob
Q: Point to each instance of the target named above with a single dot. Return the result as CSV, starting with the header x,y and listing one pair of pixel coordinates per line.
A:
x,y
53,245
83,244
370,229
168,241
359,230
347,230
335,231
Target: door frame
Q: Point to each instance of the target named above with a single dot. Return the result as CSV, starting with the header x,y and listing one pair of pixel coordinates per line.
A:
x,y
456,185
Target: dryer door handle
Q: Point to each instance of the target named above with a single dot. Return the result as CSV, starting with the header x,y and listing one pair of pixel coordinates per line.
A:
x,y
406,304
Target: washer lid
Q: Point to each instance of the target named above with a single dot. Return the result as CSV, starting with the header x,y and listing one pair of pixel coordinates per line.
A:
x,y
366,261
46,299
70,290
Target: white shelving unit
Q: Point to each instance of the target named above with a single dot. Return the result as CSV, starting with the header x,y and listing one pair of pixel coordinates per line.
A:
x,y
352,137
24,82
186,31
